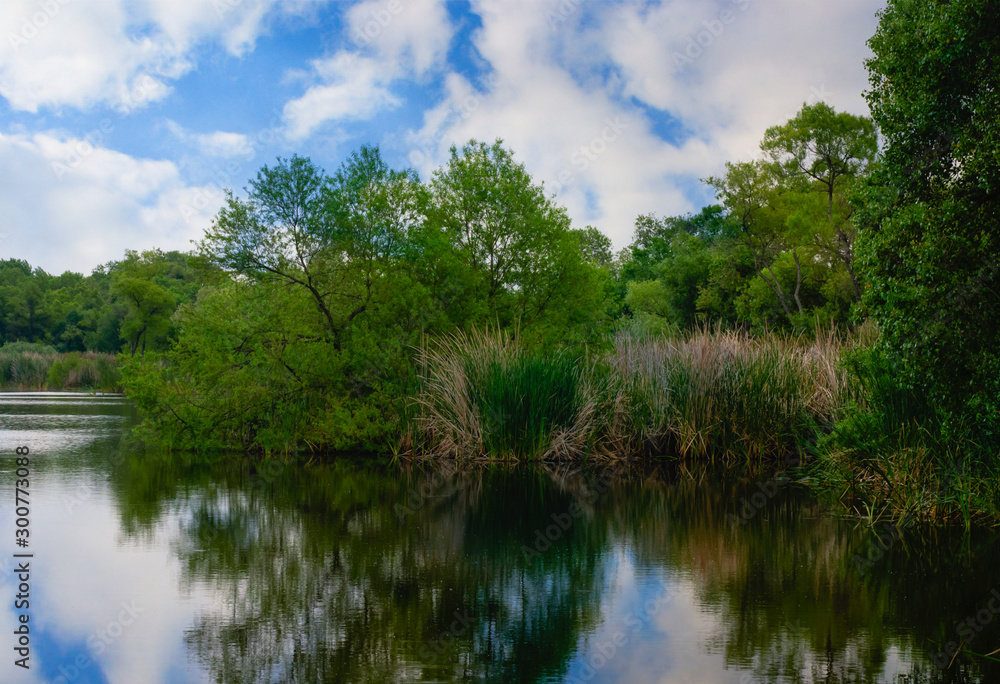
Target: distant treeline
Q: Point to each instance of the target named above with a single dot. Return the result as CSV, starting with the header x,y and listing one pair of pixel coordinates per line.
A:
x,y
122,304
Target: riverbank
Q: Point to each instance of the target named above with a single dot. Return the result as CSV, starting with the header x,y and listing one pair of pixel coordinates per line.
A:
x,y
28,366
831,405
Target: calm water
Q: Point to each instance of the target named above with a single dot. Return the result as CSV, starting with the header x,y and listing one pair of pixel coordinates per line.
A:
x,y
152,570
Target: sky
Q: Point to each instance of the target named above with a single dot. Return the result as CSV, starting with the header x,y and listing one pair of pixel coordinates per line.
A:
x,y
123,122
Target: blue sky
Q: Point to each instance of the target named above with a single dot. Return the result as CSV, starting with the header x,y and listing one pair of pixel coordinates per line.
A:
x,y
121,121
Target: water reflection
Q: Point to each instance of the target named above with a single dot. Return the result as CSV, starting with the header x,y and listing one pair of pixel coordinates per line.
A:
x,y
355,572
373,572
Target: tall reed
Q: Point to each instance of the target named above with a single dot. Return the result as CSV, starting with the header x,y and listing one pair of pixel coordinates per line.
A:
x,y
484,395
709,394
36,366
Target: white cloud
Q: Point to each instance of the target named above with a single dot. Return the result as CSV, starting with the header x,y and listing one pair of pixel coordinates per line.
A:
x,y
354,88
581,91
70,204
730,68
559,80
411,32
75,53
387,40
216,144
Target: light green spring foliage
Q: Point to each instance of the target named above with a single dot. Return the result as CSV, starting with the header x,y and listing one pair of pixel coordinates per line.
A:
x,y
776,253
331,284
790,215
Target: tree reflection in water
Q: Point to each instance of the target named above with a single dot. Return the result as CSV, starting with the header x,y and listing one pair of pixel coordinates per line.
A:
x,y
371,573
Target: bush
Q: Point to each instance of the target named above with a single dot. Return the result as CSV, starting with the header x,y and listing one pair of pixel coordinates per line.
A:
x,y
83,370
521,399
28,348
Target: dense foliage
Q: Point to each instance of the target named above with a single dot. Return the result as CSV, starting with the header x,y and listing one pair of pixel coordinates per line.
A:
x,y
122,302
930,243
326,286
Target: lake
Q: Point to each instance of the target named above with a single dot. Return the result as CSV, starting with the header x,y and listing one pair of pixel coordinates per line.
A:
x,y
148,568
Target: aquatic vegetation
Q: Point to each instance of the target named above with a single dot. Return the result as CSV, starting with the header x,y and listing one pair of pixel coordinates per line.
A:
x,y
897,454
26,365
708,394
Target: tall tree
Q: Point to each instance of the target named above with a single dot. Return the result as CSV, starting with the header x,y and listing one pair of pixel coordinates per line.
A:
x,y
823,151
282,232
148,305
749,193
929,215
521,256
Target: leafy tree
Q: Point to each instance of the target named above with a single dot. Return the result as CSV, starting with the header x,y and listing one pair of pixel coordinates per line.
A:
x,y
148,287
149,308
595,247
821,150
750,194
518,253
929,242
283,232
307,336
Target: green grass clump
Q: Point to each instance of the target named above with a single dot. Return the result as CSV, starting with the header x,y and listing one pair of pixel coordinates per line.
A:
x,y
484,395
26,370
707,395
522,398
84,370
714,395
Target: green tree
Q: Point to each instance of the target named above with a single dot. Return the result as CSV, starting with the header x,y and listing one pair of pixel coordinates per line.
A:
x,y
148,305
282,232
821,150
749,191
307,333
519,255
929,242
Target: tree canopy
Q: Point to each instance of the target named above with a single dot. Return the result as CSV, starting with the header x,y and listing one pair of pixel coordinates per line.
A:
x,y
928,214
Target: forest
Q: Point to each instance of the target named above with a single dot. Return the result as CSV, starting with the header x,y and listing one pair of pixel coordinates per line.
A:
x,y
836,309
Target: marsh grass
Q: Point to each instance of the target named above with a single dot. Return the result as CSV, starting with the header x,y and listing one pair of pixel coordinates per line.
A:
x,y
483,395
39,367
894,454
707,395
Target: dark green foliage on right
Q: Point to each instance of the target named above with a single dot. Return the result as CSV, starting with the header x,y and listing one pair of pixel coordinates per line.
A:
x,y
929,239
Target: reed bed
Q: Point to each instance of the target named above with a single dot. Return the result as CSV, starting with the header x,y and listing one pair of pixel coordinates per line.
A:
x,y
39,367
708,395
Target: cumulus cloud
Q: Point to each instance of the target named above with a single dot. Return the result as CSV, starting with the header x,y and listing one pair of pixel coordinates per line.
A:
x,y
124,53
68,201
386,41
215,144
618,107
719,73
354,87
